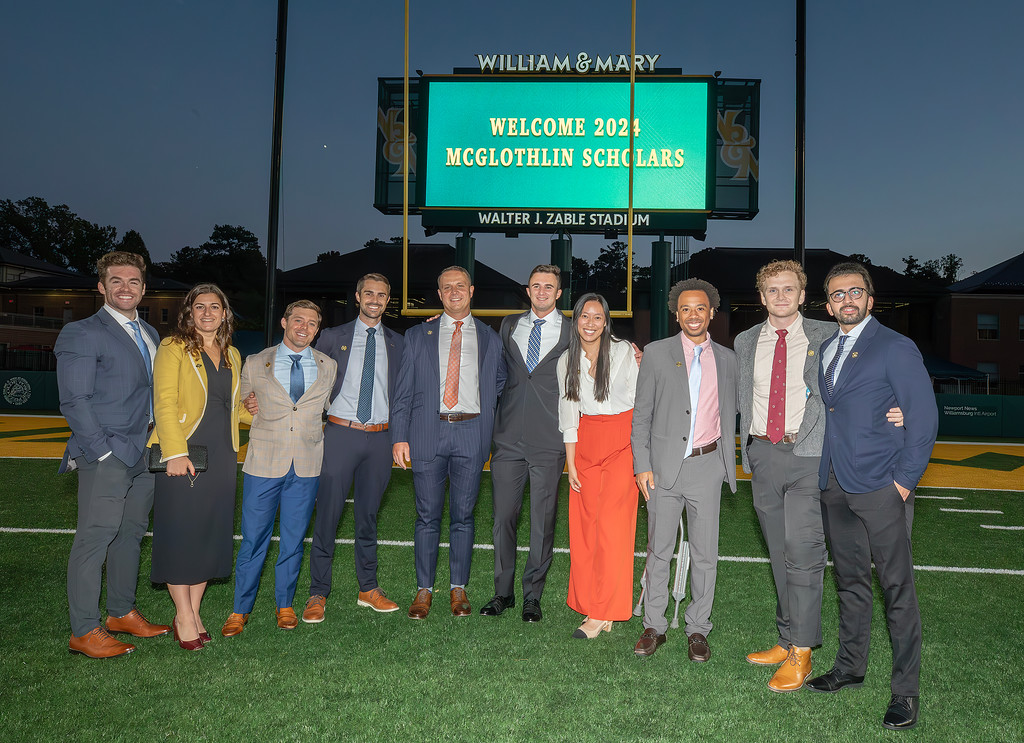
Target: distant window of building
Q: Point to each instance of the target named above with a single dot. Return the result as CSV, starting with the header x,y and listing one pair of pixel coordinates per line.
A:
x,y
988,327
1020,327
989,367
163,315
144,313
38,311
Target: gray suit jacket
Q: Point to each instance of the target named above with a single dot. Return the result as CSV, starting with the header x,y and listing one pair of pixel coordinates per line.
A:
x,y
811,434
286,433
528,409
105,389
661,413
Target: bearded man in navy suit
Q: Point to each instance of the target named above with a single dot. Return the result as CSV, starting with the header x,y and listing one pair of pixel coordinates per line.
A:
x,y
867,476
442,419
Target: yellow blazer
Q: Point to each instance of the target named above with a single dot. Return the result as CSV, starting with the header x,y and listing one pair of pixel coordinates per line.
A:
x,y
179,398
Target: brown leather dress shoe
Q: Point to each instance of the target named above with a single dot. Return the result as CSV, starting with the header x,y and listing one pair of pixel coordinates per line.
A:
x,y
314,611
377,600
99,643
133,623
791,674
234,625
460,603
772,657
286,618
649,642
699,650
421,604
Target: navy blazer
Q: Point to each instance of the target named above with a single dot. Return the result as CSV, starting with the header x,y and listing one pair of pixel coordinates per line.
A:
x,y
337,343
417,403
105,389
884,369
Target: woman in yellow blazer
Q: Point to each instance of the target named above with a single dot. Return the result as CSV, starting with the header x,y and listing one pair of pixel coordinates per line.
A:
x,y
196,401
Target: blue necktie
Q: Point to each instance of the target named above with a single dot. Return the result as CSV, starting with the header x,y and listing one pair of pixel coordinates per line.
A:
x,y
831,371
145,354
365,406
533,346
142,346
694,397
297,383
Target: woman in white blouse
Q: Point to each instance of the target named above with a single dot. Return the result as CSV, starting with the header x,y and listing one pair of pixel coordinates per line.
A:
x,y
596,383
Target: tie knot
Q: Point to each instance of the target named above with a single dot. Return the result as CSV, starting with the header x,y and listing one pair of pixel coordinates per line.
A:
x,y
371,331
696,351
458,324
842,340
134,324
295,357
538,323
781,333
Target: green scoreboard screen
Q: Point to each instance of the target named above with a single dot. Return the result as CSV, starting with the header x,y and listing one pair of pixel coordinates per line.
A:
x,y
542,154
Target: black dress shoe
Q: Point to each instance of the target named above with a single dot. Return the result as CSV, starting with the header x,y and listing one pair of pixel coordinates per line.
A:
x,y
648,643
497,605
833,681
902,713
531,611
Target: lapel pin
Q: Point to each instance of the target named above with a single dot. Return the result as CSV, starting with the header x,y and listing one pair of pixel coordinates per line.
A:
x,y
344,348
268,364
679,363
430,332
810,351
853,355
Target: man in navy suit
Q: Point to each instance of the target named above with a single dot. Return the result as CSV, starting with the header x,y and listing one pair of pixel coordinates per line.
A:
x,y
867,476
105,382
357,443
441,421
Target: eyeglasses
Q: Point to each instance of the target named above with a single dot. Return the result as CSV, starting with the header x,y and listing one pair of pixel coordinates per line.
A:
x,y
839,295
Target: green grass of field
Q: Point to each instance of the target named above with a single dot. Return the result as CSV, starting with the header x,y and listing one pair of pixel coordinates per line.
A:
x,y
363,676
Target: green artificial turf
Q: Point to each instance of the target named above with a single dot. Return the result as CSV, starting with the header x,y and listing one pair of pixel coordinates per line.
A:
x,y
364,676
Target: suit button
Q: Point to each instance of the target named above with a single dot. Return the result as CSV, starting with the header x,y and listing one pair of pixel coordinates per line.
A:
x,y
292,428
831,410
684,438
687,412
294,409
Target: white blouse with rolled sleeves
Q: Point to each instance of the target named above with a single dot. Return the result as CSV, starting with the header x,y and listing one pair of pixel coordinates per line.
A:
x,y
621,389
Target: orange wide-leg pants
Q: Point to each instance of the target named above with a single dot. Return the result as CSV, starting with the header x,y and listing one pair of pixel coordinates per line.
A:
x,y
602,519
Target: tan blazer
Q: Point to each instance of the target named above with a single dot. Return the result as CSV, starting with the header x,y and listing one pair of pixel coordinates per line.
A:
x,y
179,398
285,433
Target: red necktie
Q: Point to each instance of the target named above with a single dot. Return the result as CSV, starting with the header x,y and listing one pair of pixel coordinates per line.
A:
x,y
777,391
451,379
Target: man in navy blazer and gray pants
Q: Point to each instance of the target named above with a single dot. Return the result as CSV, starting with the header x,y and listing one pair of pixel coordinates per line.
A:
x,y
868,474
357,443
105,381
441,420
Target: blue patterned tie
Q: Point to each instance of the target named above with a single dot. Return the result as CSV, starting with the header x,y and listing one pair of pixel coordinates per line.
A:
x,y
830,372
694,397
145,354
297,383
365,407
533,346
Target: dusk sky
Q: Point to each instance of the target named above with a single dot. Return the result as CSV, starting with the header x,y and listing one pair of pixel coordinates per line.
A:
x,y
157,115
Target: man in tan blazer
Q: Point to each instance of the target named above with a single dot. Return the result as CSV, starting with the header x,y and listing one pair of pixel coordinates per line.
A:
x,y
292,382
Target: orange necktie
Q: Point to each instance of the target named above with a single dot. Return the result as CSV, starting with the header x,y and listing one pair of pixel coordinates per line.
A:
x,y
451,379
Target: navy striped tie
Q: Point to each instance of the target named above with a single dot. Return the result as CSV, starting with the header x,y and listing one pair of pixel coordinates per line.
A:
x,y
365,406
830,372
533,346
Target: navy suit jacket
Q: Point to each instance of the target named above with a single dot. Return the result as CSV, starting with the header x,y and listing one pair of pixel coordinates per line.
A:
x,y
105,389
337,343
884,369
417,402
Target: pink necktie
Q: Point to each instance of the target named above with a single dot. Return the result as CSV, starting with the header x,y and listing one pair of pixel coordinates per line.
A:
x,y
451,379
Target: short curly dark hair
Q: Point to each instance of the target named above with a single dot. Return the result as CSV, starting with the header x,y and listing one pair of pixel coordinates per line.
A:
x,y
692,285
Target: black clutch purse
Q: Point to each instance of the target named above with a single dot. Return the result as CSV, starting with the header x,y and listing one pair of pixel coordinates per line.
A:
x,y
198,454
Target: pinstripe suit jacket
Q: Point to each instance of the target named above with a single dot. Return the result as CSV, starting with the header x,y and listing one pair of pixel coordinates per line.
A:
x,y
284,432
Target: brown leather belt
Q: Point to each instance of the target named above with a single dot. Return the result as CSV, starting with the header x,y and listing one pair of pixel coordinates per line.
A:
x,y
368,427
789,438
456,417
704,449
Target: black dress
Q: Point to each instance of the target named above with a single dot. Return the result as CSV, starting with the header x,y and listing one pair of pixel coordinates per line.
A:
x,y
193,521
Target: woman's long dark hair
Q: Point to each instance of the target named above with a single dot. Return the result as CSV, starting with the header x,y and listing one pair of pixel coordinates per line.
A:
x,y
602,373
186,329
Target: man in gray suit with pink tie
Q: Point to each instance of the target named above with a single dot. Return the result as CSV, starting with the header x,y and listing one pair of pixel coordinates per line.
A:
x,y
442,418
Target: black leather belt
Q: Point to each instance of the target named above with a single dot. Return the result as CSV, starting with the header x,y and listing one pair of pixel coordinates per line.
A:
x,y
704,449
456,417
789,438
368,427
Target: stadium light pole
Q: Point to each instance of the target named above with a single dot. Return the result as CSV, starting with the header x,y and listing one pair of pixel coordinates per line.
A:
x,y
275,172
801,135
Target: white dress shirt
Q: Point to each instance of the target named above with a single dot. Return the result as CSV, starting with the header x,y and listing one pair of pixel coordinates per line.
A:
x,y
469,368
851,341
621,389
346,404
550,332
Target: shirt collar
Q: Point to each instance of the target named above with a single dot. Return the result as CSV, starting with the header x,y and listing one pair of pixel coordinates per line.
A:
x,y
794,327
360,325
857,329
284,352
549,319
448,322
121,319
689,345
